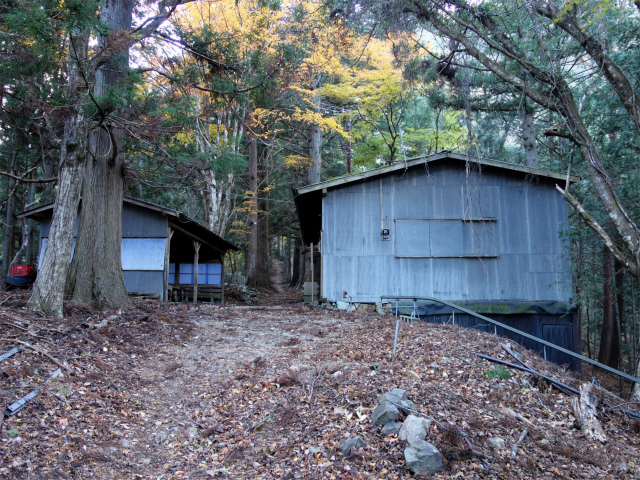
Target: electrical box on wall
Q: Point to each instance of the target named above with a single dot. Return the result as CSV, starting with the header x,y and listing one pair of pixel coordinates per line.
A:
x,y
385,234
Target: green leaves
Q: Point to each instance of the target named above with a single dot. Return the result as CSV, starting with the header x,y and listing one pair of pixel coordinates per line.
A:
x,y
498,372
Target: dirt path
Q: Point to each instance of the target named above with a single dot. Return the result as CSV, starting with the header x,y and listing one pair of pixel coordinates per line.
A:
x,y
230,346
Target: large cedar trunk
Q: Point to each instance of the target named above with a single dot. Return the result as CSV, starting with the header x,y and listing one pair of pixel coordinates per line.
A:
x,y
252,244
263,277
95,276
315,155
48,291
529,137
7,252
609,353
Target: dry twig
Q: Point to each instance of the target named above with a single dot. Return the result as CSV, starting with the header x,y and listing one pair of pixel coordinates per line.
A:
x,y
41,352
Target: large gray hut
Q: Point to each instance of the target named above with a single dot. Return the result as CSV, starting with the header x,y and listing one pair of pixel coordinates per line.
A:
x,y
162,249
484,234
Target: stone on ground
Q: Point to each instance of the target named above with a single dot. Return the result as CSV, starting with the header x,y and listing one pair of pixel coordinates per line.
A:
x,y
345,445
384,413
422,456
414,428
391,428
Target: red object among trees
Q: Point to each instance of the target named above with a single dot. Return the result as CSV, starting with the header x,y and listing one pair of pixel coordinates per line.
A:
x,y
23,271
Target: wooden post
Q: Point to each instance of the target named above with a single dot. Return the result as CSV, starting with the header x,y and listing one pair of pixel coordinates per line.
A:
x,y
320,289
222,281
196,247
167,251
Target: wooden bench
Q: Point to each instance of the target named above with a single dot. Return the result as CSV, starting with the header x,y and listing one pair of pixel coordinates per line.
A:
x,y
206,293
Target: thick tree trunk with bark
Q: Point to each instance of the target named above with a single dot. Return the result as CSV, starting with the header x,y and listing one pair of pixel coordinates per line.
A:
x,y
48,291
315,153
95,276
216,188
215,200
263,277
609,353
7,252
529,138
252,243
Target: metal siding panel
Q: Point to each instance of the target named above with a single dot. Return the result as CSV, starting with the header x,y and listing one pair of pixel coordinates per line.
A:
x,y
447,277
370,278
446,238
44,228
412,238
412,202
143,253
514,282
540,216
142,222
480,238
144,282
482,279
513,221
481,201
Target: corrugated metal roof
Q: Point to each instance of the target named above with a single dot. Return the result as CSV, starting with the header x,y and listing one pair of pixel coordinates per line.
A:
x,y
414,162
187,223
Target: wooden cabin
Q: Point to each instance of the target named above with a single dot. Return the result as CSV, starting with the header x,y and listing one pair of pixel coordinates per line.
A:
x,y
483,234
165,254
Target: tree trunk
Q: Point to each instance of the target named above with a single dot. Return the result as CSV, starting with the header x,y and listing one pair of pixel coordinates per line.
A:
x,y
9,219
297,271
48,290
315,153
252,244
95,275
609,352
29,254
529,137
618,277
263,277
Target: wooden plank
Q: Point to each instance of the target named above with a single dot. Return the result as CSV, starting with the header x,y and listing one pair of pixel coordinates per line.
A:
x,y
167,254
222,282
196,247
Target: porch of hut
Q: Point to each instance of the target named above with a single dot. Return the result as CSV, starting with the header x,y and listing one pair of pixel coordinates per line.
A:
x,y
194,268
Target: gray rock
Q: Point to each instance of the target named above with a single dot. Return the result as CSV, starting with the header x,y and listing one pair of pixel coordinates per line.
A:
x,y
406,407
342,305
496,442
399,398
398,392
391,428
162,438
422,456
395,395
384,413
414,428
345,445
193,431
126,443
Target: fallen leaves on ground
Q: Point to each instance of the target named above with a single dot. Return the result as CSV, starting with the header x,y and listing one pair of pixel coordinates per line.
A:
x,y
177,392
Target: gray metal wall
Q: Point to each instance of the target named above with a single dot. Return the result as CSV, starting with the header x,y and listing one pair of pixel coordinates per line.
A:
x,y
530,214
144,282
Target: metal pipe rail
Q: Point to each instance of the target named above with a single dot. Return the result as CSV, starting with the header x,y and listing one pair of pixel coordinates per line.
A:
x,y
397,300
